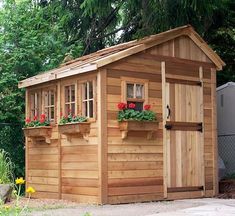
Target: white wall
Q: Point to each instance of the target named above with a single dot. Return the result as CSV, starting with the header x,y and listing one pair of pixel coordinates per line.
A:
x,y
226,110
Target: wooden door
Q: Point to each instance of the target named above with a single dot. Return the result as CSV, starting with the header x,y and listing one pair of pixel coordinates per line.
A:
x,y
184,137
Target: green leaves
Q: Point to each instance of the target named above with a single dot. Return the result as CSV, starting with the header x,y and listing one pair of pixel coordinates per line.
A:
x,y
131,114
72,119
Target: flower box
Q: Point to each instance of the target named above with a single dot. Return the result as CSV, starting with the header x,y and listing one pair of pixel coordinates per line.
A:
x,y
39,134
148,126
75,129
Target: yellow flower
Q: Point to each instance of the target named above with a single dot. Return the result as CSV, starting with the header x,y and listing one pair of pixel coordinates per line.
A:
x,y
7,207
30,190
20,180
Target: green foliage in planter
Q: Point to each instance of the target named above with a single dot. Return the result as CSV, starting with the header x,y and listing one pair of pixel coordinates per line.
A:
x,y
128,112
72,119
131,114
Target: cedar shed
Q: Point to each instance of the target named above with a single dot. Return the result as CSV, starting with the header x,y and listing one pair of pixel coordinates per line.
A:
x,y
103,163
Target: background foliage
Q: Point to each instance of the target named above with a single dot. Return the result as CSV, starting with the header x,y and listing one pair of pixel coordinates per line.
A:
x,y
37,35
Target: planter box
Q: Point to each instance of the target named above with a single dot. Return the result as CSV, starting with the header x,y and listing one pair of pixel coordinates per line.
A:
x,y
75,129
42,134
148,126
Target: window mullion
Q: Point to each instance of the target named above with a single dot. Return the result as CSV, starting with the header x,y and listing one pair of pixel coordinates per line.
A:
x,y
88,107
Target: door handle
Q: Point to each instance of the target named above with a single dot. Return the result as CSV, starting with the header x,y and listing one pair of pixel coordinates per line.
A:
x,y
169,111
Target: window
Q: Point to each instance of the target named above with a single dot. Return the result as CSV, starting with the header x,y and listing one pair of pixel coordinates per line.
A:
x,y
35,102
88,99
135,94
49,104
135,91
70,99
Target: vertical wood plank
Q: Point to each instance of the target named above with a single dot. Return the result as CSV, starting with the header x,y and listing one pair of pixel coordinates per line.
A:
x,y
27,115
58,111
203,178
214,131
163,72
102,135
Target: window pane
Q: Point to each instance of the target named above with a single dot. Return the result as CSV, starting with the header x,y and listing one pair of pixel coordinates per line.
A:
x,y
72,111
52,114
46,98
130,90
73,93
85,90
91,109
52,98
138,105
47,113
37,104
139,91
90,90
67,109
85,108
67,94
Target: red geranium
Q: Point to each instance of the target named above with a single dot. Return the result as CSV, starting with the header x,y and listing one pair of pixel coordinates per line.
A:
x,y
121,106
131,106
43,116
42,120
35,118
147,107
27,121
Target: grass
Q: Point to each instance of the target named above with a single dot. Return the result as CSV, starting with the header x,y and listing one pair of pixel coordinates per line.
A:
x,y
6,168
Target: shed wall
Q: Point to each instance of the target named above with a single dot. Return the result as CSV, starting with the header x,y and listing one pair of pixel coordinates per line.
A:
x,y
135,164
42,167
67,168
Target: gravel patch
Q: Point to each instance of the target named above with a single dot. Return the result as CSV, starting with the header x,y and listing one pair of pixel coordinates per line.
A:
x,y
202,207
136,209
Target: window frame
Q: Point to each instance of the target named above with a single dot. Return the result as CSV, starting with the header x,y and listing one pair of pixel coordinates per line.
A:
x,y
44,106
82,100
128,80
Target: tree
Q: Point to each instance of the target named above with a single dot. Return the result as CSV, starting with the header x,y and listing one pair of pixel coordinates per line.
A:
x,y
35,37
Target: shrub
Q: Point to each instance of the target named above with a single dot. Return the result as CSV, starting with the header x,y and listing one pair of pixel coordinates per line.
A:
x,y
12,141
6,168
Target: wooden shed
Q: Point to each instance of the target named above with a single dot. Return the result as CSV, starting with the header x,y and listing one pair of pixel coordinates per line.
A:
x,y
104,161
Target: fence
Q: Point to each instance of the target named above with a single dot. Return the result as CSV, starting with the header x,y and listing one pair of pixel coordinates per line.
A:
x,y
12,141
226,149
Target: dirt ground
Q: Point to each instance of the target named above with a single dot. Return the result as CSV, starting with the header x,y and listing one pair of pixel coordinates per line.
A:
x,y
204,207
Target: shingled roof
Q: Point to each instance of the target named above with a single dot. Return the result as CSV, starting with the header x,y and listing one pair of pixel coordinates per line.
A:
x,y
109,55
